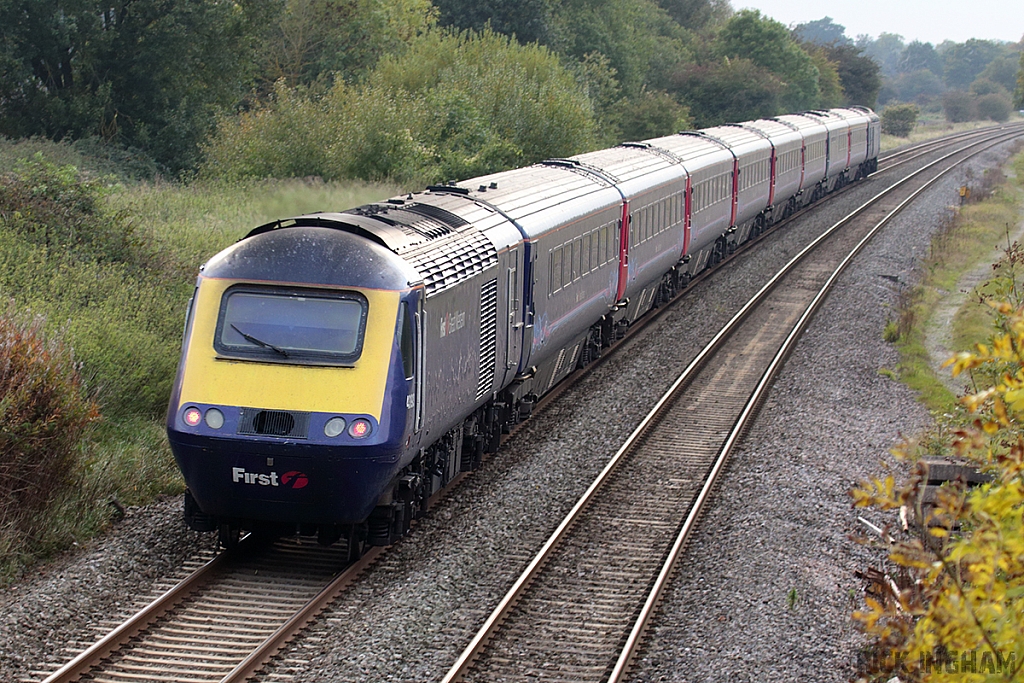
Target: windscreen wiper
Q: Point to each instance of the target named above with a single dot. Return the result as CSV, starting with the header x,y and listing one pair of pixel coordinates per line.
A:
x,y
259,342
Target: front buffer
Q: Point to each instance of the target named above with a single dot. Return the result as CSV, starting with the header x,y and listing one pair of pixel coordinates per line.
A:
x,y
251,483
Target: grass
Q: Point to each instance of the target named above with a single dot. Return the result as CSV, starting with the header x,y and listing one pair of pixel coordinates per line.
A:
x,y
124,321
930,126
966,240
197,220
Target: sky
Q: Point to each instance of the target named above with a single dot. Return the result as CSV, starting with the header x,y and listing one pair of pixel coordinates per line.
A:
x,y
930,21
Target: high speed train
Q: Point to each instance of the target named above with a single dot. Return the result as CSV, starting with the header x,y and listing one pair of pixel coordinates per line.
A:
x,y
338,368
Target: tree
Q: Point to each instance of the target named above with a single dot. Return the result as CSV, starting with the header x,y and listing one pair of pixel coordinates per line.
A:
x,y
964,61
920,86
768,44
146,73
858,75
1019,92
1002,70
899,119
886,51
829,84
994,106
917,56
643,44
313,39
453,105
958,105
530,21
730,90
822,32
697,15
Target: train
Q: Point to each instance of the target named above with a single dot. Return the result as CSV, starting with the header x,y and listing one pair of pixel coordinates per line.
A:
x,y
339,368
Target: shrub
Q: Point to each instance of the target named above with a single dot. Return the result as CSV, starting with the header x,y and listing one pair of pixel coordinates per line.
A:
x,y
899,119
453,105
44,410
958,105
66,253
994,106
59,209
959,588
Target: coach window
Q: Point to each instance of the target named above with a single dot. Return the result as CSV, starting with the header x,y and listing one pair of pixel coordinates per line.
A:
x,y
556,270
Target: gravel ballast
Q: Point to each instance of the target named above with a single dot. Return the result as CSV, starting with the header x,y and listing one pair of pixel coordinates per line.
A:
x,y
778,526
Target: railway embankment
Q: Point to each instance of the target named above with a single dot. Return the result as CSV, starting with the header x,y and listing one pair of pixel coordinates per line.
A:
x,y
768,584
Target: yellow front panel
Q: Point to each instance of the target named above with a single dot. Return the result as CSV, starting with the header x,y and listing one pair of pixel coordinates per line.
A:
x,y
278,386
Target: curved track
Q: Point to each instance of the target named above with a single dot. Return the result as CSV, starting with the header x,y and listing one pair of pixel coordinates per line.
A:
x,y
236,612
578,611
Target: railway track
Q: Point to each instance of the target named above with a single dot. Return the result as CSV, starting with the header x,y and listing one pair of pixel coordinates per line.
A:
x,y
236,612
224,620
579,610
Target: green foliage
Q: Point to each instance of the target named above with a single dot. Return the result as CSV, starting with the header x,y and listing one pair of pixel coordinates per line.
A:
x,y
858,74
55,208
917,56
955,588
886,51
823,32
44,411
642,43
958,106
530,21
921,86
964,61
1018,94
697,15
1002,71
899,119
829,85
650,115
65,253
732,90
768,44
146,73
994,106
311,40
962,562
451,106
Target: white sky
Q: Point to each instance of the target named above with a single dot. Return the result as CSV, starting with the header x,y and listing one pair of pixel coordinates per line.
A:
x,y
930,21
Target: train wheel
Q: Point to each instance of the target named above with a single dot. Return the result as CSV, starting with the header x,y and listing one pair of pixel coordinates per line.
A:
x,y
354,540
227,536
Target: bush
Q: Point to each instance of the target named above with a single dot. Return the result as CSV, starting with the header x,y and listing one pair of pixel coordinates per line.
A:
x,y
65,253
899,119
958,105
994,106
453,105
959,586
57,208
44,411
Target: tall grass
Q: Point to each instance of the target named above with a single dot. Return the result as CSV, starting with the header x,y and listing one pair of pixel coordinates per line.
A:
x,y
966,239
111,267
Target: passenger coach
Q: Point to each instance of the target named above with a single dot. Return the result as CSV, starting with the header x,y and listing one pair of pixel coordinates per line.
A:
x,y
339,368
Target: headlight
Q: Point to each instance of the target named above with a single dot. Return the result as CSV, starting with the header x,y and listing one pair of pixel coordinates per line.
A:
x,y
214,418
334,426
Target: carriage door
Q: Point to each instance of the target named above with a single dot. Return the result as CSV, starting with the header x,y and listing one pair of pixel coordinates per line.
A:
x,y
412,362
513,313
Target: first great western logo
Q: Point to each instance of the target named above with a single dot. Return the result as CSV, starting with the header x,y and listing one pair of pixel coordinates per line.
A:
x,y
291,480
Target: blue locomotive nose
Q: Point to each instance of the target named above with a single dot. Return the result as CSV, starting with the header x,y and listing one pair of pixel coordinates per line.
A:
x,y
255,482
291,401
